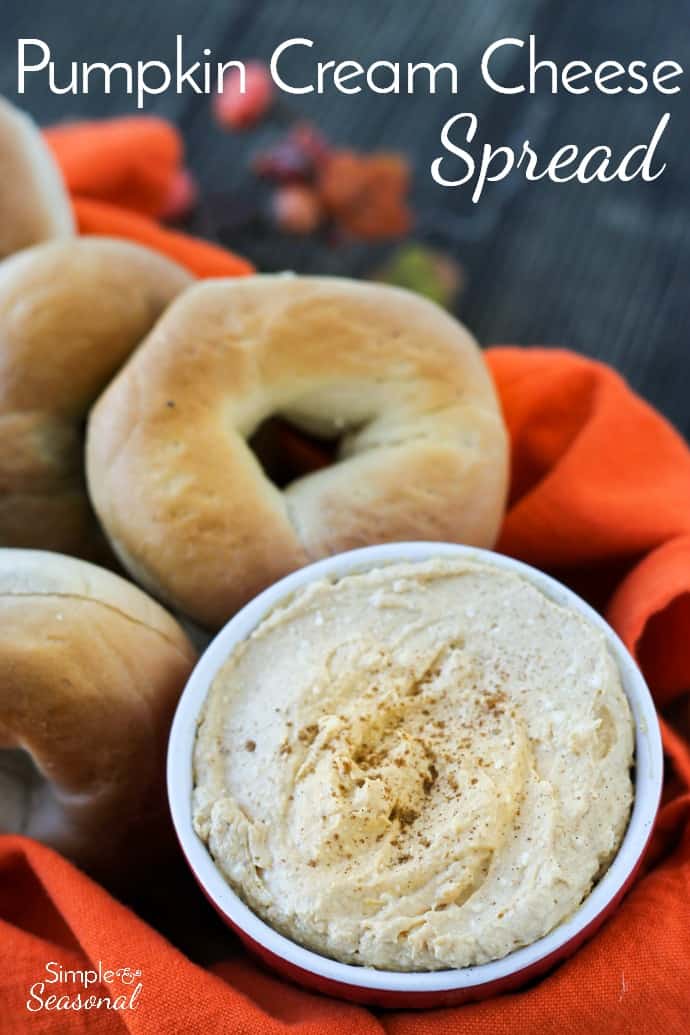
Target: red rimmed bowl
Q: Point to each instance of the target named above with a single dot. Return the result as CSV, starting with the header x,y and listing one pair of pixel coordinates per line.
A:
x,y
435,988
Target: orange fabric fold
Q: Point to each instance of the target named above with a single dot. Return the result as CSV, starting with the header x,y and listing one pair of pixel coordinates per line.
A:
x,y
598,474
651,611
600,495
122,174
202,258
129,161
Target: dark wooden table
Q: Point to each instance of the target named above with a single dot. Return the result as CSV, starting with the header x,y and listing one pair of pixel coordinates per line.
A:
x,y
602,269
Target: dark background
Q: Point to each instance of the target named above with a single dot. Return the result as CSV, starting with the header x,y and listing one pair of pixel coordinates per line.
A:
x,y
602,269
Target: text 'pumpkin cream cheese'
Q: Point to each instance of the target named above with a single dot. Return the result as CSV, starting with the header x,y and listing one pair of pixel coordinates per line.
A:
x,y
423,766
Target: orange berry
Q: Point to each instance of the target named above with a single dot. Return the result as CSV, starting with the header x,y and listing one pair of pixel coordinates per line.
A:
x,y
297,209
235,109
182,196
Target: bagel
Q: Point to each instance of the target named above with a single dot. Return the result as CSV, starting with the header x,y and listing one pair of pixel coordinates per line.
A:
x,y
397,383
34,205
70,314
90,672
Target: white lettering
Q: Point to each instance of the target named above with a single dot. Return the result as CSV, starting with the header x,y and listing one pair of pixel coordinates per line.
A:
x,y
509,41
298,41
22,67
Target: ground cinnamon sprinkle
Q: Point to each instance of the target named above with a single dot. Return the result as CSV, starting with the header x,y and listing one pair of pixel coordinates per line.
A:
x,y
430,779
404,815
307,734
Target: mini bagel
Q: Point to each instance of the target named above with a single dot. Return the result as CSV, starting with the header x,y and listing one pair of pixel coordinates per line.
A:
x,y
402,386
70,314
34,205
90,672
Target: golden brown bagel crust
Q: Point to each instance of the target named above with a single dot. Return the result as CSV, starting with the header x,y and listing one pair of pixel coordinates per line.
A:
x,y
185,503
70,314
90,672
34,205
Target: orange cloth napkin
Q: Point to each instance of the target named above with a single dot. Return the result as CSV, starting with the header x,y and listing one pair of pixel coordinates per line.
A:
x,y
601,496
121,173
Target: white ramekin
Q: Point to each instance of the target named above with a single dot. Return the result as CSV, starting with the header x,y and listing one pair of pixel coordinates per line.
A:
x,y
438,988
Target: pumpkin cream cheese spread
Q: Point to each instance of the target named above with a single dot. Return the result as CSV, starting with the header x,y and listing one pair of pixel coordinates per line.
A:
x,y
423,766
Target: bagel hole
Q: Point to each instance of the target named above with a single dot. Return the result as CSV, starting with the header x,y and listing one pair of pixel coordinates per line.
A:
x,y
287,453
21,783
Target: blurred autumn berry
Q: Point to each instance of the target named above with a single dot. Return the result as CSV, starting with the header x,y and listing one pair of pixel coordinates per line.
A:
x,y
235,109
363,195
299,155
312,143
367,194
182,196
297,209
283,163
427,271
315,184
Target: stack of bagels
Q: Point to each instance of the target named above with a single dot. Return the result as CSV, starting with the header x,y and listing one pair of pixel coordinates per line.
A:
x,y
132,404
